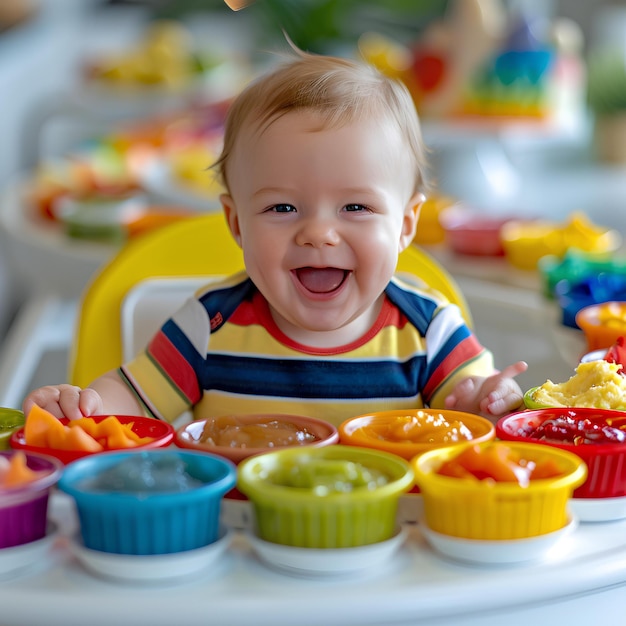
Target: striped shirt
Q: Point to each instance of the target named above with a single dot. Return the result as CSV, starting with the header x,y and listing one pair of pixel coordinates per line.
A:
x,y
222,353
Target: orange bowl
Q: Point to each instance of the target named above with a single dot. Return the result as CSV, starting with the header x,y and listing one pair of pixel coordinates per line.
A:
x,y
602,323
386,430
162,434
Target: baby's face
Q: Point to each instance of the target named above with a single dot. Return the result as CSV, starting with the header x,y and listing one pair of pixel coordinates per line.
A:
x,y
321,215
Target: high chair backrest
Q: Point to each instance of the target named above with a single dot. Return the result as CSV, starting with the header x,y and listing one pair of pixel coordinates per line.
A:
x,y
116,313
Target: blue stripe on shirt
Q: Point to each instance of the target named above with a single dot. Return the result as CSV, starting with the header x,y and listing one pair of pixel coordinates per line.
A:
x,y
325,379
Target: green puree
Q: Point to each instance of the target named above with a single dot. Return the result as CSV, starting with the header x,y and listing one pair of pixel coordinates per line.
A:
x,y
10,420
326,476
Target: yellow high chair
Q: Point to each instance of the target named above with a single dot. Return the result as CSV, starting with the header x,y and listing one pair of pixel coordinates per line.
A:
x,y
199,247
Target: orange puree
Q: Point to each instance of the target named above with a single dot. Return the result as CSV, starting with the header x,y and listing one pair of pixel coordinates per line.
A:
x,y
232,432
423,427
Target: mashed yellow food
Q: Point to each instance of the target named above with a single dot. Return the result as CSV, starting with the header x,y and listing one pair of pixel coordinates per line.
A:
x,y
596,384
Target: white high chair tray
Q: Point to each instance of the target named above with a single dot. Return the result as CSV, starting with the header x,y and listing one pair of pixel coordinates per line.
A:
x,y
416,586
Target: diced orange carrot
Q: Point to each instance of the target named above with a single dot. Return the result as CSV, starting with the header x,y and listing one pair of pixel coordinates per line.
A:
x,y
55,439
19,472
78,439
120,440
39,425
42,429
88,424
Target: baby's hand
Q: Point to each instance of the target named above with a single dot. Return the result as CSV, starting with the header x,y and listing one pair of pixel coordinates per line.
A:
x,y
65,401
490,396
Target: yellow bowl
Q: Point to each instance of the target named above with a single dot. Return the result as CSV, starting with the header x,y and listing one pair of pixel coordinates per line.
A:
x,y
489,510
526,242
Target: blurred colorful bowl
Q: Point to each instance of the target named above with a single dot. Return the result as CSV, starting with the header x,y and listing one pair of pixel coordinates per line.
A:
x,y
330,497
597,436
158,501
602,323
24,508
525,243
488,509
429,228
576,266
573,297
473,233
161,432
413,431
10,421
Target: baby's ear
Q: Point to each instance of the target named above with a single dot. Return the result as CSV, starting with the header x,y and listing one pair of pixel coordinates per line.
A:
x,y
409,220
230,212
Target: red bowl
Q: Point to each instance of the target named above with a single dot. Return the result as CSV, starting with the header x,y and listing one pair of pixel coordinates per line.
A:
x,y
162,433
473,233
606,462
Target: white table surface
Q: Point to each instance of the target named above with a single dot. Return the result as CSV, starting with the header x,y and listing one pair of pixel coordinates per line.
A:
x,y
582,579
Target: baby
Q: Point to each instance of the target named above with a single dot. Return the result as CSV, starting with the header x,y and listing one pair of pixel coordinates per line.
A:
x,y
323,166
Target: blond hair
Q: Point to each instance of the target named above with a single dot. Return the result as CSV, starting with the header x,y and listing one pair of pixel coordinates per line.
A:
x,y
338,89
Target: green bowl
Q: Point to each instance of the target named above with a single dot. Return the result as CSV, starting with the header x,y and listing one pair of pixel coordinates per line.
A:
x,y
293,513
530,403
10,421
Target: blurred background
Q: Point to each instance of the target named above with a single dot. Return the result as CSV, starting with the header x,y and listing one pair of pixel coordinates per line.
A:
x,y
111,111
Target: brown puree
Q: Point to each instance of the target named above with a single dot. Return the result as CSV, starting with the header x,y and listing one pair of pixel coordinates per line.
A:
x,y
232,432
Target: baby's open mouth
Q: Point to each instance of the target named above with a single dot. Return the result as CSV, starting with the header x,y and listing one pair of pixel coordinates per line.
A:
x,y
321,279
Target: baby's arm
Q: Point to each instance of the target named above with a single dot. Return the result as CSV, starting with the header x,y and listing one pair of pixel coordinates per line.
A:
x,y
490,396
106,395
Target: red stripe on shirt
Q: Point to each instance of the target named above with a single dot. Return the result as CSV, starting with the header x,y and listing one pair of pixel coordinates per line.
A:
x,y
175,366
465,351
258,312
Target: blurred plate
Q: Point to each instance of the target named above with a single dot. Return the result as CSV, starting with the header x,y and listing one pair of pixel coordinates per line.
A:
x,y
150,568
500,552
326,561
16,559
598,509
159,181
594,355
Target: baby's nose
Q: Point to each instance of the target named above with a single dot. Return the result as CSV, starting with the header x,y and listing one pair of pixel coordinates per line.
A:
x,y
317,232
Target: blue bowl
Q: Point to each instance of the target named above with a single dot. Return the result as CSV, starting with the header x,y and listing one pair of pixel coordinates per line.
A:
x,y
122,512
574,296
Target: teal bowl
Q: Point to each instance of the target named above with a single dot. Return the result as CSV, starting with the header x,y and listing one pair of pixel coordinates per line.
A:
x,y
157,501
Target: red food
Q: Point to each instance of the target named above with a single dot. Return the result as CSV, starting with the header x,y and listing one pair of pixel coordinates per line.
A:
x,y
617,354
577,431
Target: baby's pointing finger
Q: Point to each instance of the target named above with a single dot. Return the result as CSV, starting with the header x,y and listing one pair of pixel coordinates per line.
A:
x,y
511,371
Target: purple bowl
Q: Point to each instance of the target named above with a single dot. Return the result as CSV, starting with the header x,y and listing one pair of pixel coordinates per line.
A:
x,y
24,509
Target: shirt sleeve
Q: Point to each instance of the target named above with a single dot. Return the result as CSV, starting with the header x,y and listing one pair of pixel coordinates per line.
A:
x,y
165,375
454,353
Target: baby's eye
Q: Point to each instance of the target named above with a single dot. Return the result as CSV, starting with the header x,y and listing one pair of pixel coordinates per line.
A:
x,y
283,208
355,208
